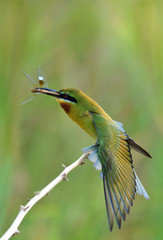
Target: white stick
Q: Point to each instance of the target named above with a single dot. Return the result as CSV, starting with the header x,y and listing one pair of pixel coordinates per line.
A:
x,y
13,230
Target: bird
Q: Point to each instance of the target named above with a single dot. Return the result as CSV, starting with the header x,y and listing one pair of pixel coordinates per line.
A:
x,y
111,152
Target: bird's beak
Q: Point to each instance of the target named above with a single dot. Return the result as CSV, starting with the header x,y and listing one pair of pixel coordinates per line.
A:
x,y
47,91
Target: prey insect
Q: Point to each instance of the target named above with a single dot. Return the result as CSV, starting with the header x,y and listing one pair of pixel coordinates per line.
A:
x,y
42,82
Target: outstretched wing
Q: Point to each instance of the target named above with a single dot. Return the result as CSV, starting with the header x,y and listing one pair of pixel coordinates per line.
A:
x,y
117,169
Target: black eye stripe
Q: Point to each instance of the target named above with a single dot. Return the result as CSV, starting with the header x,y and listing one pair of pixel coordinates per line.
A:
x,y
67,97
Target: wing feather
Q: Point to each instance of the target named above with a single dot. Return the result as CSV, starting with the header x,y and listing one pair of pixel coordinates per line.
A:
x,y
117,170
109,208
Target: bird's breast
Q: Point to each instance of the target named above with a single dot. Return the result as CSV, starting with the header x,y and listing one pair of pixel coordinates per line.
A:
x,y
82,118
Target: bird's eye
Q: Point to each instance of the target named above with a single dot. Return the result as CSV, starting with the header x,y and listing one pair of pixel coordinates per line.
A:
x,y
66,95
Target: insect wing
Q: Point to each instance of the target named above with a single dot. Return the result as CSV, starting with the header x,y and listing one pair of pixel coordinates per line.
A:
x,y
31,79
28,100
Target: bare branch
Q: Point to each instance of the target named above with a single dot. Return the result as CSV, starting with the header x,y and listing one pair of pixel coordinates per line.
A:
x,y
13,230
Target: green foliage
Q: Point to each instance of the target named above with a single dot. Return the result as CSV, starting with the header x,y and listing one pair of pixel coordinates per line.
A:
x,y
113,51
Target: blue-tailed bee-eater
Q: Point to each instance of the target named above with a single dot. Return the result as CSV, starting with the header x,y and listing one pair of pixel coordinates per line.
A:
x,y
111,152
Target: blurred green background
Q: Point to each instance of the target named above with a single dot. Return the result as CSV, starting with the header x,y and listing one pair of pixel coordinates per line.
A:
x,y
113,51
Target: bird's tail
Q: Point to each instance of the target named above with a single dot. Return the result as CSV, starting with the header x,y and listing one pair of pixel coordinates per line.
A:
x,y
137,148
139,187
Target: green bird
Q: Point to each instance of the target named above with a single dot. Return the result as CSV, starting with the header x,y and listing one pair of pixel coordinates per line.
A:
x,y
111,152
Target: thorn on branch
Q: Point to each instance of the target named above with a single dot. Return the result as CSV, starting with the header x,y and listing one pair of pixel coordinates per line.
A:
x,y
36,193
82,163
63,166
23,208
65,177
15,233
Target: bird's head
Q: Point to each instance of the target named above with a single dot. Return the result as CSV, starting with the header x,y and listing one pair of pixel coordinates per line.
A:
x,y
71,100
